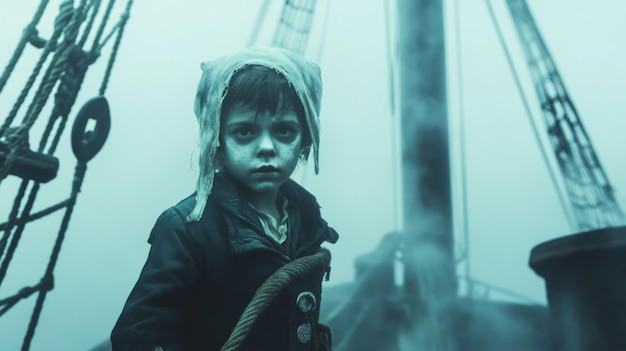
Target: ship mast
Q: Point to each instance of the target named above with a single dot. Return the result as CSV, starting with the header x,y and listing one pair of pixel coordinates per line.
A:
x,y
430,278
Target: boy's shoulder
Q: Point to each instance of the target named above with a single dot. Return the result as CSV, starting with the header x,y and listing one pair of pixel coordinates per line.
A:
x,y
184,207
175,216
199,239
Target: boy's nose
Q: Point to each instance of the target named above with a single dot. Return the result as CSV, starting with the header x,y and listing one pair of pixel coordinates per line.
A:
x,y
266,145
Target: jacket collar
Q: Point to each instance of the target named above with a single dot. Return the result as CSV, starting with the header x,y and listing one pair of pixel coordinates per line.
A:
x,y
230,195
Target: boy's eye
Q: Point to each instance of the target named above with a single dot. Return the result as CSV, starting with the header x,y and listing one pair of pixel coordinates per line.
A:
x,y
243,133
284,131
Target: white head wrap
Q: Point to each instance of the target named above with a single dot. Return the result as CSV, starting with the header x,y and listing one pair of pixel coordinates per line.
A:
x,y
303,75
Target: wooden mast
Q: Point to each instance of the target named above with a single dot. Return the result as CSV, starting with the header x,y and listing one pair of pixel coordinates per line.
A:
x,y
430,278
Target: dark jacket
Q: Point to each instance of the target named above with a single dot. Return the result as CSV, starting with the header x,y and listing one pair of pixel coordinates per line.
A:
x,y
199,276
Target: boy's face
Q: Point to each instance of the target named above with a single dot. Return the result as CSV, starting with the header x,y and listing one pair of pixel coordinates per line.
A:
x,y
261,150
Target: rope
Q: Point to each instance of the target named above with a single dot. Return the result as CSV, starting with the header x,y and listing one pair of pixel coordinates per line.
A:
x,y
394,95
17,139
28,33
118,40
12,217
37,215
269,289
68,65
69,86
18,232
64,53
462,148
79,175
62,19
18,143
107,14
289,34
22,294
518,84
254,34
66,97
95,8
322,43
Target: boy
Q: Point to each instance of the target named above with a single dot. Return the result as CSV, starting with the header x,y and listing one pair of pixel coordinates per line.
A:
x,y
258,114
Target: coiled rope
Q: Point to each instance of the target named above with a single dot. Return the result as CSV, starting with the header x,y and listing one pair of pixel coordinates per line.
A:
x,y
268,291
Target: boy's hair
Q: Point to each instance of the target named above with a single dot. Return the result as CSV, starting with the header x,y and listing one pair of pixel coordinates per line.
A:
x,y
263,89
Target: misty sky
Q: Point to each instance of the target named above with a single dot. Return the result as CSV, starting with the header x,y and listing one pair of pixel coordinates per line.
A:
x,y
147,164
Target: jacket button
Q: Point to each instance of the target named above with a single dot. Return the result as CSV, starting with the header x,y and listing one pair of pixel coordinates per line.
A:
x,y
304,333
306,301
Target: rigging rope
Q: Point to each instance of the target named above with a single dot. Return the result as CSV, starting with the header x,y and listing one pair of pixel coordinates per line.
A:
x,y
94,12
294,25
18,141
29,32
47,280
116,45
529,114
256,28
462,145
105,19
60,22
322,42
68,68
394,94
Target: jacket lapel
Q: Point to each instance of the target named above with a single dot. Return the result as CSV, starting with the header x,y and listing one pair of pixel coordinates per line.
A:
x,y
307,228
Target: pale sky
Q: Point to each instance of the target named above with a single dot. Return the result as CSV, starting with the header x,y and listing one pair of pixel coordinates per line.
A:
x,y
147,162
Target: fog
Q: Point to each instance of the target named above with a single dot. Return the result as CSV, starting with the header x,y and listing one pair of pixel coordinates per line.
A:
x,y
147,163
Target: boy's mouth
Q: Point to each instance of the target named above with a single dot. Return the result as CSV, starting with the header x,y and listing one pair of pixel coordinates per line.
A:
x,y
265,169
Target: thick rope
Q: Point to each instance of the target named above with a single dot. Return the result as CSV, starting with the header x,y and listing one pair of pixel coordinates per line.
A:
x,y
529,115
12,218
268,291
79,175
65,98
67,66
288,34
45,212
64,53
463,146
71,82
105,20
256,29
63,18
22,294
17,235
18,142
29,31
118,40
95,8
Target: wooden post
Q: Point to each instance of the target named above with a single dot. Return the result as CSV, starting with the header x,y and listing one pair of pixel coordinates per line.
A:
x,y
430,277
